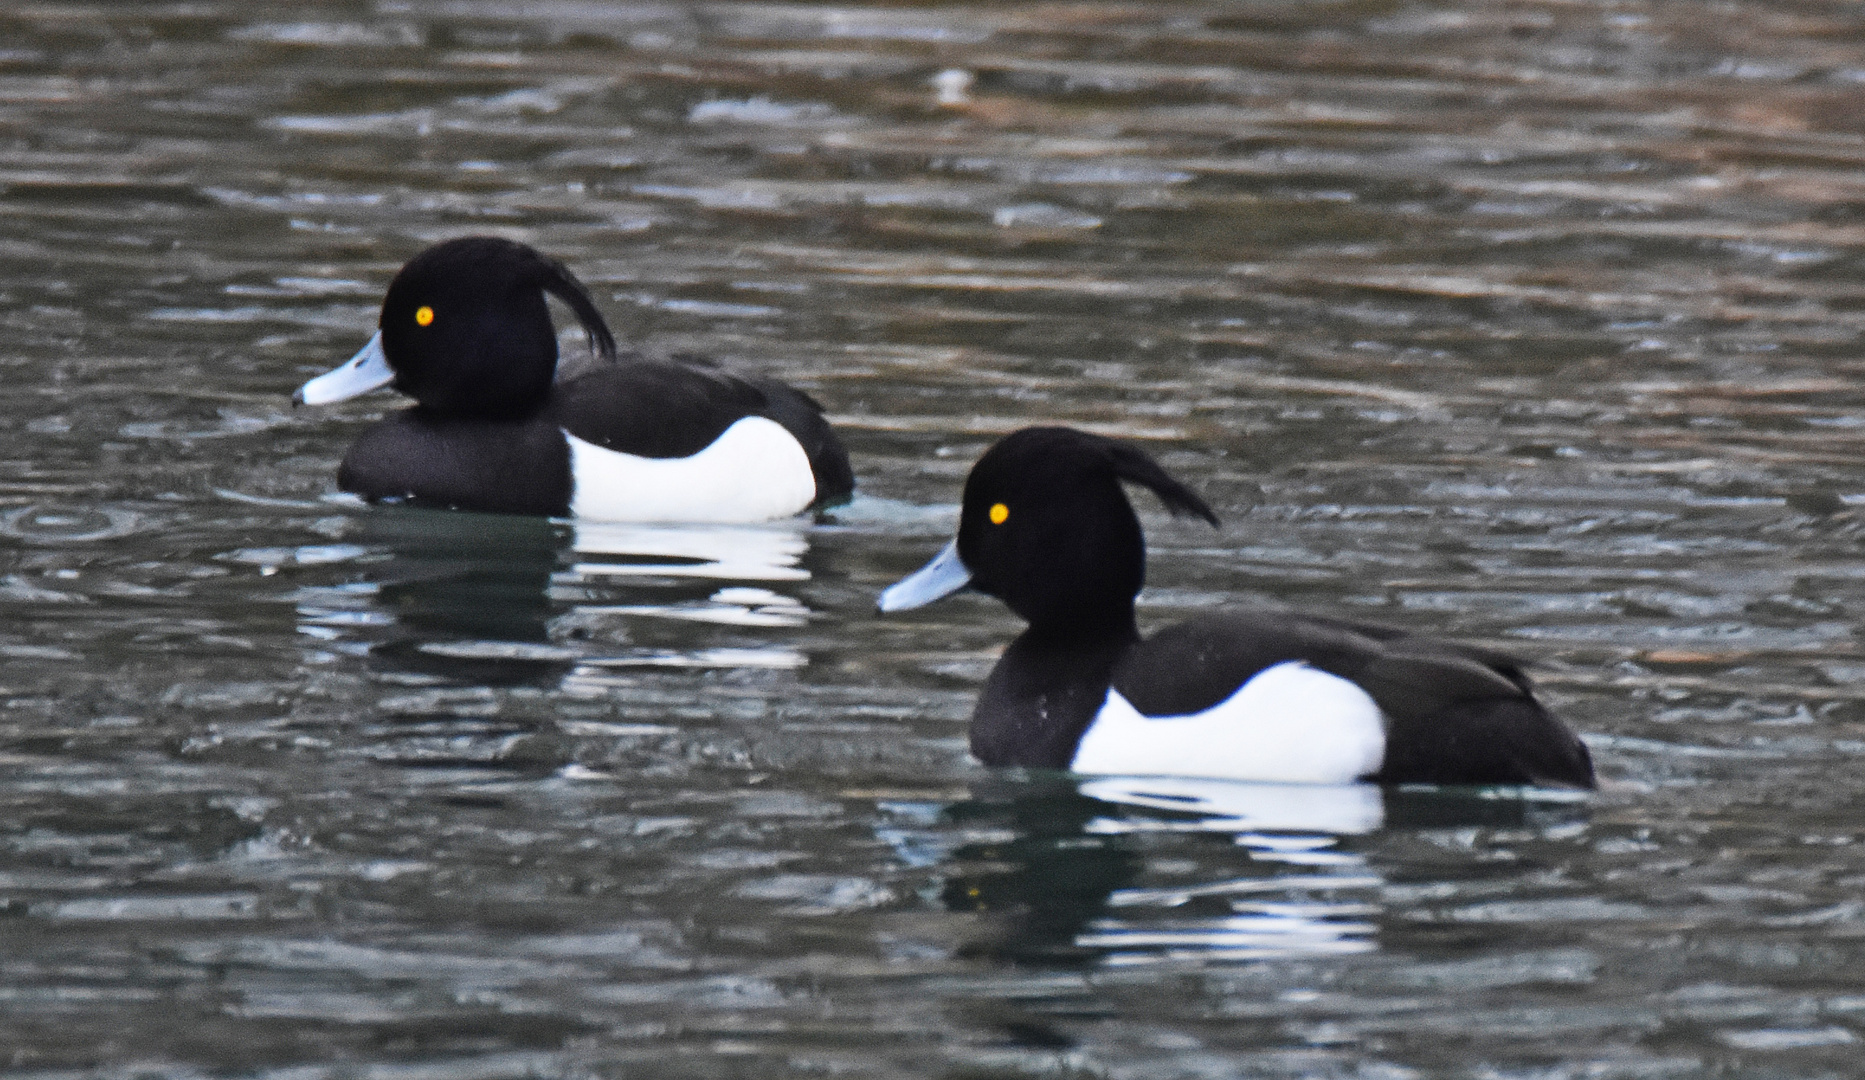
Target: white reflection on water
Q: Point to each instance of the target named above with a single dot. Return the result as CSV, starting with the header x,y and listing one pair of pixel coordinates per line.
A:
x,y
1294,930
727,607
1236,806
631,552
725,552
488,590
1278,916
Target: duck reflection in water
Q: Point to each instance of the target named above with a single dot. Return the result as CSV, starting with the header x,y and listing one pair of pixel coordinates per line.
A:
x,y
505,600
1069,870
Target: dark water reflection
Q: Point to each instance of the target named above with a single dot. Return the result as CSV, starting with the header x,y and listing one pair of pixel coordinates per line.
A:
x,y
1532,322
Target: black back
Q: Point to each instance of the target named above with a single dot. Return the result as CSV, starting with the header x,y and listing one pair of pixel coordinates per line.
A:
x,y
675,408
654,409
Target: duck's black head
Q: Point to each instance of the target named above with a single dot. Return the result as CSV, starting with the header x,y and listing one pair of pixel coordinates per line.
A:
x,y
1046,527
467,332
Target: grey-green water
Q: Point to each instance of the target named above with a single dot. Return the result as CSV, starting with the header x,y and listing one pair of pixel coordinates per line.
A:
x,y
1532,322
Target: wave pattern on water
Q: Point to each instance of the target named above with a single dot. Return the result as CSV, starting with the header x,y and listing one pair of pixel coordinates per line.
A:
x,y
1532,322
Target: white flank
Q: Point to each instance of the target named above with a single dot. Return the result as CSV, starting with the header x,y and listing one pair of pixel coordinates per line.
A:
x,y
1289,724
755,471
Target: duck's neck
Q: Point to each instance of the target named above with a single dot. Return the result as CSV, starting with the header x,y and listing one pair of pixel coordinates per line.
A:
x,y
1045,691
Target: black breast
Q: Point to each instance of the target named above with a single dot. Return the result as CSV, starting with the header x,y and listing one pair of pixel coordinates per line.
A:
x,y
494,466
1040,698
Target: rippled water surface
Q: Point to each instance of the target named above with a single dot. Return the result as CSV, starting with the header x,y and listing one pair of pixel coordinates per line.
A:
x,y
1533,322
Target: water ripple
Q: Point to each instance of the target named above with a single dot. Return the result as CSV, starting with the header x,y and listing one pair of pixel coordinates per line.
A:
x,y
1534,324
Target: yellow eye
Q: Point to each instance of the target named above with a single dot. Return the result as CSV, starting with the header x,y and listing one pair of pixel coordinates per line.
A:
x,y
999,513
423,315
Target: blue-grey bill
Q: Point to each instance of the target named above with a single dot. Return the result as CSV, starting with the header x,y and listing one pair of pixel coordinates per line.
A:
x,y
943,576
367,370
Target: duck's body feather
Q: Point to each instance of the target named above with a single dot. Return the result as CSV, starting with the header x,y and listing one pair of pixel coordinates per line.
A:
x,y
1288,723
1189,666
1256,695
1451,713
654,408
466,332
461,463
754,471
628,441
1259,695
